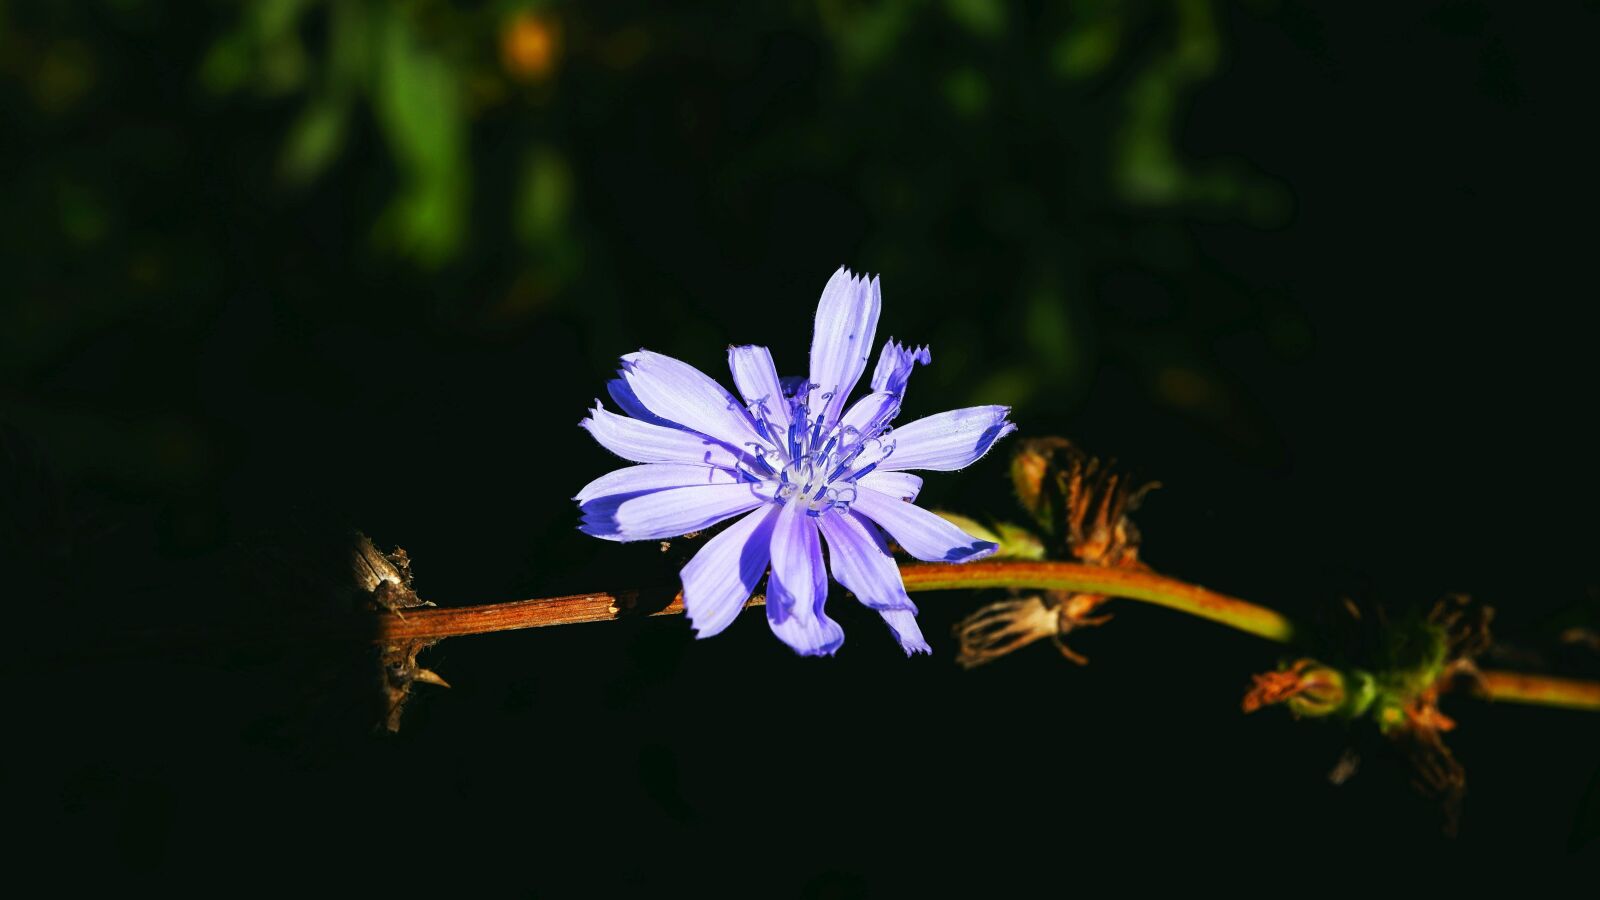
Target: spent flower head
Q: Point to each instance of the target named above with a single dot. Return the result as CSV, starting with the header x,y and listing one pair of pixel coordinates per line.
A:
x,y
797,465
1082,504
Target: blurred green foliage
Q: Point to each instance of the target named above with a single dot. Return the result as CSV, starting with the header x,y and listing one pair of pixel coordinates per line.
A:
x,y
481,168
418,66
372,54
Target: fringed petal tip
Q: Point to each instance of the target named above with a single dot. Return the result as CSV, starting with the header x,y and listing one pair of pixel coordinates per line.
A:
x,y
895,364
707,629
601,530
915,648
841,340
593,411
903,624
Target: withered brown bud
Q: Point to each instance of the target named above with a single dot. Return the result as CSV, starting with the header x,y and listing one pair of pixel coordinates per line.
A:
x,y
1031,475
1082,502
1308,687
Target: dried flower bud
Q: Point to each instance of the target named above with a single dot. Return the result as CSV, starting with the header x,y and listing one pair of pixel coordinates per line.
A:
x,y
1308,688
1033,477
1079,500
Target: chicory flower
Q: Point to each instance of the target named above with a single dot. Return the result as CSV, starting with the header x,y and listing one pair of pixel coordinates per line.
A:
x,y
798,467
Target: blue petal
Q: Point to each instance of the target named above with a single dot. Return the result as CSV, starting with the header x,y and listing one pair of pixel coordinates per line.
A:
x,y
721,577
860,560
798,586
655,476
653,515
643,442
847,319
871,413
902,485
757,380
678,392
922,534
950,440
630,403
903,622
895,364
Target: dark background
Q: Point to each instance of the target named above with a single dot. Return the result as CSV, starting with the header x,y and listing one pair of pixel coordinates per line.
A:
x,y
1322,271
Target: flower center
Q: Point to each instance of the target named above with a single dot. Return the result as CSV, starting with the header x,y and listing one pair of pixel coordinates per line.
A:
x,y
818,467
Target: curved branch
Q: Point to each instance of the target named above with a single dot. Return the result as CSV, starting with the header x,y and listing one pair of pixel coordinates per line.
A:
x,y
1130,584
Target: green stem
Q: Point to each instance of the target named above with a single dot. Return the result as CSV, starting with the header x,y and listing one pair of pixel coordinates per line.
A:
x,y
1541,690
1131,584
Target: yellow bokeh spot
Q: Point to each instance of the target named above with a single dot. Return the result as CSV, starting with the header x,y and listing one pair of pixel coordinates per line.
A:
x,y
529,45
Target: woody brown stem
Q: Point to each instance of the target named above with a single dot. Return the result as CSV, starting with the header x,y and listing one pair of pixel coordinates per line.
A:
x,y
518,614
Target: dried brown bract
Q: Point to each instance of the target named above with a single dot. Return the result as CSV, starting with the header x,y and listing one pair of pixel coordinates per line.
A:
x,y
1435,772
399,670
1082,503
385,578
1466,628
